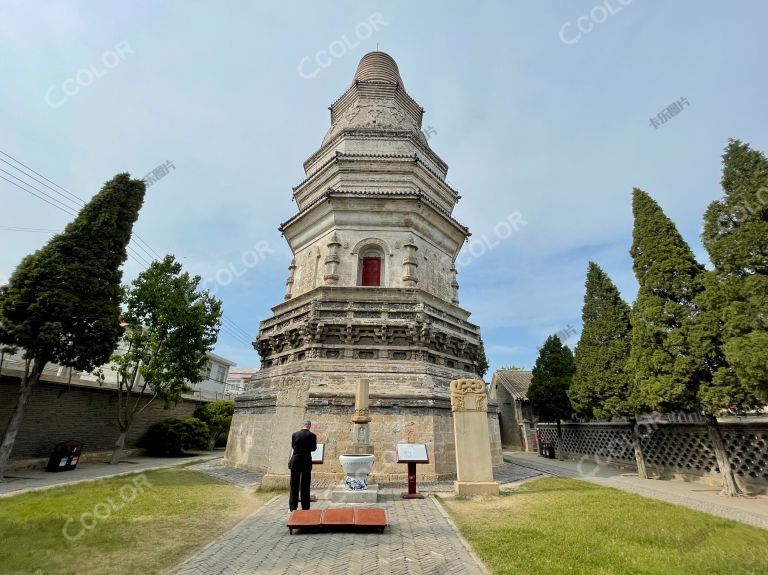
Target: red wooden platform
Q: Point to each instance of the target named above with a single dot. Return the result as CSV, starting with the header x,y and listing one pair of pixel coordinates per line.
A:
x,y
342,517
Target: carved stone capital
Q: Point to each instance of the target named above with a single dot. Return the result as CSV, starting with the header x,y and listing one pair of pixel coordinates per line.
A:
x,y
468,395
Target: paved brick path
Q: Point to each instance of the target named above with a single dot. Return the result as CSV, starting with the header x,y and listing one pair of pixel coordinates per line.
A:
x,y
420,539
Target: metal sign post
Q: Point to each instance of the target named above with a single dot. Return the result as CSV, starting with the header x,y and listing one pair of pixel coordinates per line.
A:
x,y
412,453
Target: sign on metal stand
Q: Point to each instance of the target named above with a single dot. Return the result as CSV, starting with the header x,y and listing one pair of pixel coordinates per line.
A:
x,y
412,453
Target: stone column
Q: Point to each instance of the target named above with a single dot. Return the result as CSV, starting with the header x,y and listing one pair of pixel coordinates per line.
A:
x,y
474,468
332,260
361,435
454,286
410,263
289,281
290,412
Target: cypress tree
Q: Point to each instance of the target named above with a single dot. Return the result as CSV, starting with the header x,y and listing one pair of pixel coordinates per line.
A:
x,y
671,356
663,371
600,383
550,379
736,238
62,303
600,386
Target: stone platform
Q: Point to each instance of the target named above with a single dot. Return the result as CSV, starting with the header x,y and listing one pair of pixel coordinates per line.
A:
x,y
340,494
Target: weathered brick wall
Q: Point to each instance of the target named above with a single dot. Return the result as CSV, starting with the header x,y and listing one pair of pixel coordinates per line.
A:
x,y
494,432
56,412
250,438
672,449
393,421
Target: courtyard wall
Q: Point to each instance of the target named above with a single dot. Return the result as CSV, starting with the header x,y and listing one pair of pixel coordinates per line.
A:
x,y
681,450
58,411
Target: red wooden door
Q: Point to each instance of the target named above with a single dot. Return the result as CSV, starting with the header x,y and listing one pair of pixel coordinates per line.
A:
x,y
371,272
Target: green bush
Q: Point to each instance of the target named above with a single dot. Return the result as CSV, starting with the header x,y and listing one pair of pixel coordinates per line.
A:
x,y
218,416
172,436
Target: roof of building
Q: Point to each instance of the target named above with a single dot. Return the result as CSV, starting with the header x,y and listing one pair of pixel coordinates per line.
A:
x,y
378,67
219,359
515,381
237,371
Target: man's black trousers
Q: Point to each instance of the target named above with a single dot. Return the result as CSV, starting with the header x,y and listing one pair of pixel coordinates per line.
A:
x,y
300,480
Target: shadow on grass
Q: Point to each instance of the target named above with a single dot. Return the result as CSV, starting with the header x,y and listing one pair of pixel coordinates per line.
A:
x,y
547,485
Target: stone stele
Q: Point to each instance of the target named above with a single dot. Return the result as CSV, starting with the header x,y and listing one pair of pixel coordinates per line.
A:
x,y
371,293
474,470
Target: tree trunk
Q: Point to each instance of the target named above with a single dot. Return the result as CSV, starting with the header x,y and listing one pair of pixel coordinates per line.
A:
x,y
117,451
25,390
730,487
642,471
559,440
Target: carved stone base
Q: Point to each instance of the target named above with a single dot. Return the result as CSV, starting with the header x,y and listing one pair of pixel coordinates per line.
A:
x,y
343,495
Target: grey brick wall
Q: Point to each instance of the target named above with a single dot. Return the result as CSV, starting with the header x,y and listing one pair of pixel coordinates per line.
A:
x,y
670,448
56,412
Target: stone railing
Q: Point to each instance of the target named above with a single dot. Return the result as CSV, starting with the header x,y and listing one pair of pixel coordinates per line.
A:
x,y
682,449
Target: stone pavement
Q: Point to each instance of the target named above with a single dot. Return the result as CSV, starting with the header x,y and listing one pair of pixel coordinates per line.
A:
x,y
420,539
509,473
26,480
752,510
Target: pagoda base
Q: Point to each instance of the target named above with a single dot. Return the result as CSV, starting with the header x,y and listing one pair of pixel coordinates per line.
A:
x,y
409,403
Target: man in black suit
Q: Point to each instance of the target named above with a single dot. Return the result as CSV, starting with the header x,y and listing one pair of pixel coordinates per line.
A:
x,y
304,442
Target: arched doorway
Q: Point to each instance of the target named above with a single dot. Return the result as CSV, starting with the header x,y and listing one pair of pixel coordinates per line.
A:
x,y
370,267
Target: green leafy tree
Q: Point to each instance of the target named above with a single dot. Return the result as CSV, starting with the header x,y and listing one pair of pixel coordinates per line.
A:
x,y
550,379
218,416
600,386
170,327
62,304
673,336
736,238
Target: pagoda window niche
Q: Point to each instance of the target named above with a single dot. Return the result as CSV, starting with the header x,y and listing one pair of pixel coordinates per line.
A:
x,y
370,267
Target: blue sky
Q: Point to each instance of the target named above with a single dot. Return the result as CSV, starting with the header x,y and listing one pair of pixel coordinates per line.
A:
x,y
531,115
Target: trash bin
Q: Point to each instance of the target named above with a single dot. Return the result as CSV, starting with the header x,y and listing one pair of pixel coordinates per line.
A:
x,y
65,455
551,451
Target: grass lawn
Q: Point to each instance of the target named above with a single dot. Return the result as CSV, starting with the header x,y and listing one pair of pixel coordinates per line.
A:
x,y
557,526
143,523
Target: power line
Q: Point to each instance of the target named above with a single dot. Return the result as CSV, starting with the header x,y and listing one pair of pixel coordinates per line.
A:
x,y
237,327
61,206
82,201
78,201
38,197
231,328
19,229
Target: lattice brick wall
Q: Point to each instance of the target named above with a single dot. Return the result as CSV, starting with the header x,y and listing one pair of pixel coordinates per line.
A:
x,y
683,448
747,448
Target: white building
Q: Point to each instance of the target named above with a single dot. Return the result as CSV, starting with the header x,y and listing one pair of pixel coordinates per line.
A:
x,y
237,380
214,386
